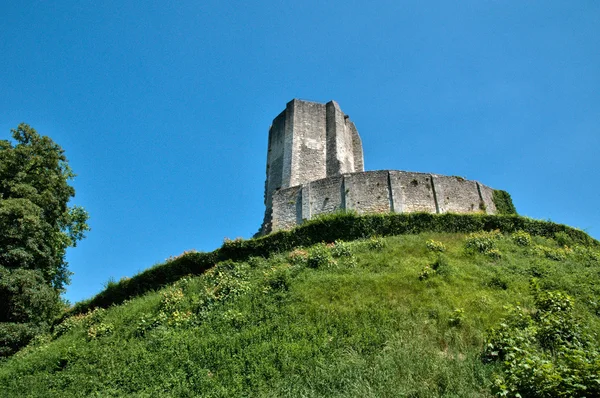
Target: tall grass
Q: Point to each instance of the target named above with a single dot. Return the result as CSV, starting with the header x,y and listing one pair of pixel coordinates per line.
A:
x,y
350,319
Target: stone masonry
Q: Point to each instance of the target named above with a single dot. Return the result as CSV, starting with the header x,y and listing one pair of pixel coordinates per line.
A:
x,y
309,141
315,166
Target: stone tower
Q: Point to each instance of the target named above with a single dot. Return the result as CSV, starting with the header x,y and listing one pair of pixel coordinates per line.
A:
x,y
309,141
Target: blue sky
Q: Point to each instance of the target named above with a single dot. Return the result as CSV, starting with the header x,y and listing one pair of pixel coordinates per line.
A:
x,y
163,108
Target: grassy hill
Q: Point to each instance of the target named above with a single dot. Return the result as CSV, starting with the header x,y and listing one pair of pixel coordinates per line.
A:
x,y
414,314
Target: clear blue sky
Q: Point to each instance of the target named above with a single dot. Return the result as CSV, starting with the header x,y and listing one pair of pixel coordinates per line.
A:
x,y
163,108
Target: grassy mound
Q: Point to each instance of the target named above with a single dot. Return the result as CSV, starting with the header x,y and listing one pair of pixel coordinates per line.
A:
x,y
417,315
328,228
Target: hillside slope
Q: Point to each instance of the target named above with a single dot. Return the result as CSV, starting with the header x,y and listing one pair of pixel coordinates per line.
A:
x,y
405,315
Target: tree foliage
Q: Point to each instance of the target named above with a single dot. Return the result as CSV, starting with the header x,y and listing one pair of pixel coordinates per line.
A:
x,y
27,306
36,227
36,222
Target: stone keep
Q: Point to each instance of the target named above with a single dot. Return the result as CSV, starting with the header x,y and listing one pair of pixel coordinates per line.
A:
x,y
309,141
315,166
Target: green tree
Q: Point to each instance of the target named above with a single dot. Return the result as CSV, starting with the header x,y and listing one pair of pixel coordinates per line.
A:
x,y
36,225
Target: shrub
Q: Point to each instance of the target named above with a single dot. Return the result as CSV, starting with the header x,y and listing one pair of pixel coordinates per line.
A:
x,y
587,255
14,336
482,242
87,320
320,256
563,239
298,257
375,243
441,264
26,299
497,283
435,246
426,273
226,280
521,238
439,267
457,317
556,254
277,279
494,253
99,330
233,244
503,202
341,249
546,353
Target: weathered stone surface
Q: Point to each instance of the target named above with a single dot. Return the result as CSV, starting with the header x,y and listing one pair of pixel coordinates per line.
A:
x,y
287,208
379,192
308,142
326,195
456,195
367,192
412,192
487,195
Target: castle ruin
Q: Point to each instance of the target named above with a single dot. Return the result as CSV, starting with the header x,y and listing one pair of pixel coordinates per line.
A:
x,y
315,166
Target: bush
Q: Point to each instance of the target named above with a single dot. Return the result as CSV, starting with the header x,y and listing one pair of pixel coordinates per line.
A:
x,y
563,239
426,273
457,317
556,254
497,283
546,353
483,242
439,267
375,243
341,249
320,256
100,330
503,202
14,336
277,279
298,257
435,246
521,238
25,298
494,253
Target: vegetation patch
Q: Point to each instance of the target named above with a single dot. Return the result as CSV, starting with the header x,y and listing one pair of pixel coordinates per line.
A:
x,y
354,321
544,352
330,228
503,202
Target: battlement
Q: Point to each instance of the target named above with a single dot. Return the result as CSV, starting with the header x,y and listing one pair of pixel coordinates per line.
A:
x,y
315,165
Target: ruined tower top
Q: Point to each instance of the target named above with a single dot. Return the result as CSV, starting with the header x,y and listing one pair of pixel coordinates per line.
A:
x,y
309,141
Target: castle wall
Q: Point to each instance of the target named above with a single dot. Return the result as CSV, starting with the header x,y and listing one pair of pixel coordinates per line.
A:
x,y
380,192
367,192
315,166
287,208
326,195
487,195
412,192
456,195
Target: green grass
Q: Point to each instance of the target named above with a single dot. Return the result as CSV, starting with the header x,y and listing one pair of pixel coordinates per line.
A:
x,y
359,325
